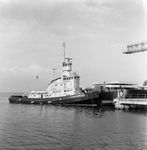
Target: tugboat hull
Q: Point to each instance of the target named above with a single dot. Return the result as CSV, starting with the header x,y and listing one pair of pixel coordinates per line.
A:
x,y
91,98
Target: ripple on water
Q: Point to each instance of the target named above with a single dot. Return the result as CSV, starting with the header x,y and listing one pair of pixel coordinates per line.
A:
x,y
38,127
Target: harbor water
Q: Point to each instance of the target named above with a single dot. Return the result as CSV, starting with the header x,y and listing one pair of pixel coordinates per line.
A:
x,y
47,127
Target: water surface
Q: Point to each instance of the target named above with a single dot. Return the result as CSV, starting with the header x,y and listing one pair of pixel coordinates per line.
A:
x,y
47,127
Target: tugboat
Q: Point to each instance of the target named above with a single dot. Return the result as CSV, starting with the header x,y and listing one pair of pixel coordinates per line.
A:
x,y
63,90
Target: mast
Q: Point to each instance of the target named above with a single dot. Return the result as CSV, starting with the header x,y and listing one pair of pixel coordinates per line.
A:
x,y
64,51
67,64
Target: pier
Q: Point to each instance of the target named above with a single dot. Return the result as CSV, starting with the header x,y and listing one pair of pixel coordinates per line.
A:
x,y
131,101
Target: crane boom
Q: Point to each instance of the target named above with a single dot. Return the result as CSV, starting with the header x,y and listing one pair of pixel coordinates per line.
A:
x,y
135,48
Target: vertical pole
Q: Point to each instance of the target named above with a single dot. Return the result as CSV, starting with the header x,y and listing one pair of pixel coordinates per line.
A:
x,y
64,51
37,81
104,86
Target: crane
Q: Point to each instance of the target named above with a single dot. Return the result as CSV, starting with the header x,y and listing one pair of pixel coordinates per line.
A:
x,y
135,48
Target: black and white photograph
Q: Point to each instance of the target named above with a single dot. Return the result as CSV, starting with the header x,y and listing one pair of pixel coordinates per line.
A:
x,y
73,74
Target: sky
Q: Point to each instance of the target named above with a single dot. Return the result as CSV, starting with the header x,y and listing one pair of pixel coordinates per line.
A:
x,y
95,33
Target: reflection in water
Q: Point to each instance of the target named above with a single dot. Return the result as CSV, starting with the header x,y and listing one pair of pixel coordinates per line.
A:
x,y
64,127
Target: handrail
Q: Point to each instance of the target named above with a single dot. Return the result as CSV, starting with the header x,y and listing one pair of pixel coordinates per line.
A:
x,y
135,97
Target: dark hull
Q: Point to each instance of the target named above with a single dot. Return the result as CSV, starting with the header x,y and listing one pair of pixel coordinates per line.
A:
x,y
108,96
135,93
91,98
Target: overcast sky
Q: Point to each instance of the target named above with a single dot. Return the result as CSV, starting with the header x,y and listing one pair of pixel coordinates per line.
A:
x,y
95,32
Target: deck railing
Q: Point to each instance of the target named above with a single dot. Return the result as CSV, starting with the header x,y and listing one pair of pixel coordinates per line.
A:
x,y
136,97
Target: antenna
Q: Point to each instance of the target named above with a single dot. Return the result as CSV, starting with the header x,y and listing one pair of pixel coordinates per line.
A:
x,y
64,51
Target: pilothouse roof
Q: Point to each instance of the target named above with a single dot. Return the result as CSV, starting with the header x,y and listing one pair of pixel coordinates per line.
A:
x,y
115,83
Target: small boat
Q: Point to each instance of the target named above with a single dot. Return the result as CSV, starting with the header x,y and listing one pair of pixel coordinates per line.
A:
x,y
63,90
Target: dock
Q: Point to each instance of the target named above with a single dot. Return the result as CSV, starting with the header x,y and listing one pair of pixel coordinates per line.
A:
x,y
131,101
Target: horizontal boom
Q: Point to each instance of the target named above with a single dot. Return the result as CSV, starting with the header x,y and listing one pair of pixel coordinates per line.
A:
x,y
134,48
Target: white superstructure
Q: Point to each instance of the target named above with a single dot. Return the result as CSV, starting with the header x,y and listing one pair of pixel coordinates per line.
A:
x,y
67,84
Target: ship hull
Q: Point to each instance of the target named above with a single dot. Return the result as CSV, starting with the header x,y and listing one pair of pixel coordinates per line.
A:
x,y
108,96
91,98
135,93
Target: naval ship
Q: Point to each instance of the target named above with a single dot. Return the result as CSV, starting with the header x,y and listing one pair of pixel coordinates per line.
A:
x,y
62,90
